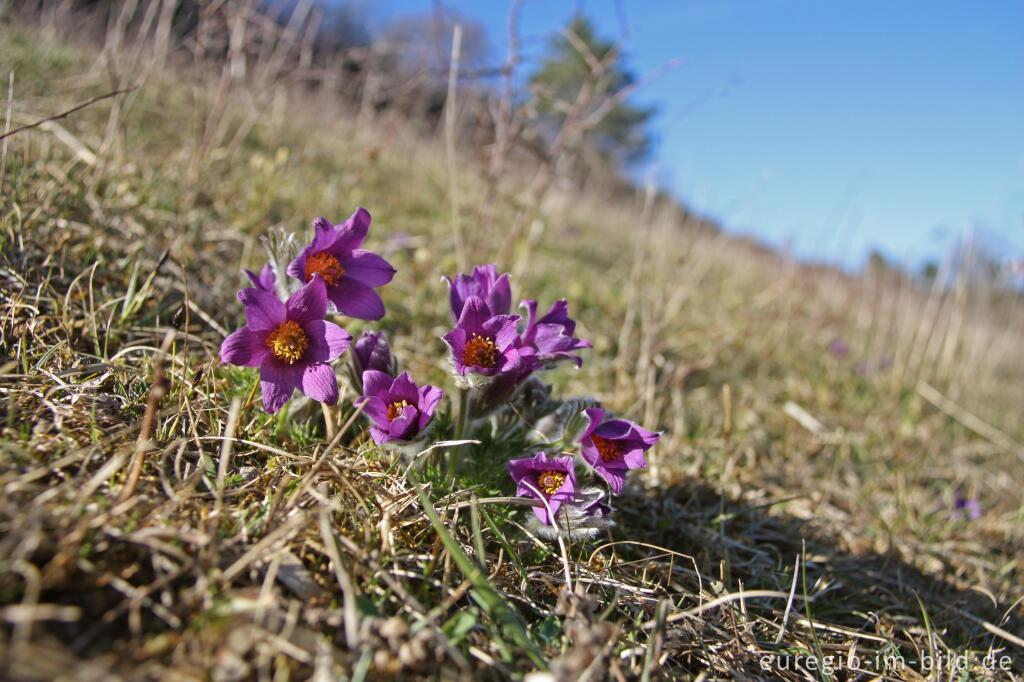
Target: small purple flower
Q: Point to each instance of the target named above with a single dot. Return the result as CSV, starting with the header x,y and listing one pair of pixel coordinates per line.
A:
x,y
482,342
400,410
290,342
963,507
349,272
373,352
614,447
484,283
838,348
551,337
264,281
553,480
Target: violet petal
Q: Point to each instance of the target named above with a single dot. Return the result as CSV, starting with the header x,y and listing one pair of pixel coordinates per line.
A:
x,y
263,311
309,302
244,348
368,268
355,300
319,383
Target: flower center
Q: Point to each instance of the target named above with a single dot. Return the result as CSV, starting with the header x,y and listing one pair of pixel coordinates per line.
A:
x,y
325,265
288,342
396,409
609,449
480,351
551,481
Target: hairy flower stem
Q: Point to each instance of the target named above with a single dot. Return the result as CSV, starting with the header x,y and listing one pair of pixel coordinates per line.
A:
x,y
328,422
461,422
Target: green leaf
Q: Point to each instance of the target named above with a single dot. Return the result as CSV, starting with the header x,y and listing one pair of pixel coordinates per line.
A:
x,y
459,625
509,622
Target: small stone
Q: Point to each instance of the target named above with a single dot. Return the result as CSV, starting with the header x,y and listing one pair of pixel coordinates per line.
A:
x,y
394,628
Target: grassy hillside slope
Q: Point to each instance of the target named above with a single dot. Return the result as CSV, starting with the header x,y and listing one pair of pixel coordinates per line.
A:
x,y
816,427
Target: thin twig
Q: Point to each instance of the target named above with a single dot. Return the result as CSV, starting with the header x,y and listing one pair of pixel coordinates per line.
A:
x,y
974,423
156,392
70,111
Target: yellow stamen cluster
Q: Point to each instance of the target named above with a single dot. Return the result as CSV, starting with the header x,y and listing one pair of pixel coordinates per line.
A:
x,y
288,342
550,481
325,265
396,409
480,351
609,449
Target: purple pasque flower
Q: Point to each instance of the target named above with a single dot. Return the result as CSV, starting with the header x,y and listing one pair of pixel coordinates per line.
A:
x,y
483,343
552,480
350,273
373,352
485,283
265,280
400,410
615,446
290,342
552,337
543,343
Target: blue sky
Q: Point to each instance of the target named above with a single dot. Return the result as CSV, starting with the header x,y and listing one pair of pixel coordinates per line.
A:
x,y
831,127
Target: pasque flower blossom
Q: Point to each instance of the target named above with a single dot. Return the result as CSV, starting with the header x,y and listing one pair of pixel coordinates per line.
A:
x,y
290,342
550,479
265,280
613,447
349,273
552,337
400,410
538,345
373,352
494,290
482,342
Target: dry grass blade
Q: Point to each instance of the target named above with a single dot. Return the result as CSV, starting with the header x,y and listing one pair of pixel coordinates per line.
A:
x,y
344,581
970,421
7,128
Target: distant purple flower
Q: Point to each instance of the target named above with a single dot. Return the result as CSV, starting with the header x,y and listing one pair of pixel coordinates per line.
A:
x,y
399,241
290,342
551,337
494,290
482,342
373,352
838,348
349,272
553,480
264,281
400,410
614,447
963,507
